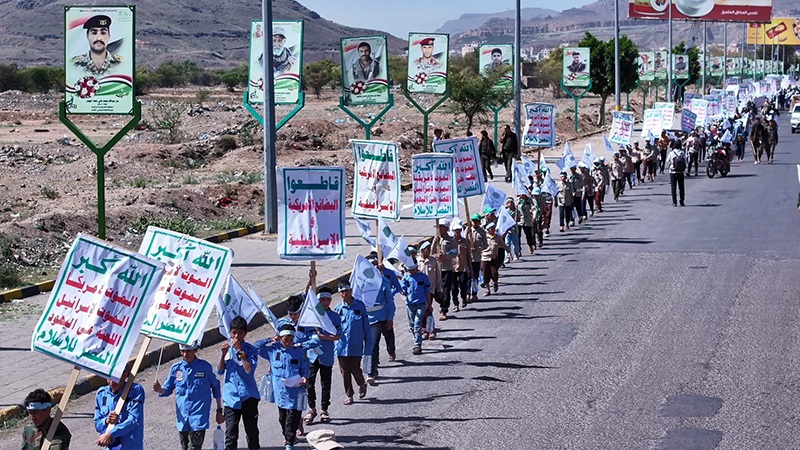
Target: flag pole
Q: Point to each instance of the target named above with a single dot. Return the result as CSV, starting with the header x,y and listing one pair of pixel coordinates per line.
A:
x,y
312,276
378,241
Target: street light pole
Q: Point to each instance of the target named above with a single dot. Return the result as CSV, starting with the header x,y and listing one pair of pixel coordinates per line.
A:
x,y
617,83
725,53
517,78
669,55
704,64
270,159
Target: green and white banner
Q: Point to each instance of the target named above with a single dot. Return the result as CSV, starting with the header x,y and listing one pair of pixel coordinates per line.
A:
x,y
660,65
287,61
427,63
365,71
434,180
97,306
575,70
99,59
680,66
497,57
376,190
196,273
647,70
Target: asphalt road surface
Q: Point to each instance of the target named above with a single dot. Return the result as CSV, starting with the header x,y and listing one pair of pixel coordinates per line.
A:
x,y
649,327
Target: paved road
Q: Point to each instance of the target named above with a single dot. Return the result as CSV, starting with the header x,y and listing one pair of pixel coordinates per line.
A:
x,y
649,327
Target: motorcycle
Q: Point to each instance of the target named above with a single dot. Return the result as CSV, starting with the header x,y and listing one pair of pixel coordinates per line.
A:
x,y
718,162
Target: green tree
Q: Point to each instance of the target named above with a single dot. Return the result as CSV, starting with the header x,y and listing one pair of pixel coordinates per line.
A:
x,y
603,63
468,62
10,78
42,79
398,70
549,71
694,68
318,74
470,93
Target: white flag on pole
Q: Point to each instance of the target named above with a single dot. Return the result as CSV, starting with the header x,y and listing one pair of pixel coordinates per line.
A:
x,y
505,221
366,281
494,198
271,319
233,302
400,252
365,230
386,238
313,314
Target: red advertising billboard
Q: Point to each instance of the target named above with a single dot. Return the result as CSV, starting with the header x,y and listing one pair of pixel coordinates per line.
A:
x,y
709,10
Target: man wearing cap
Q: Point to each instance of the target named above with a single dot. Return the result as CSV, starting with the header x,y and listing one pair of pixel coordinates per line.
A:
x,y
194,383
461,265
127,428
445,250
537,204
497,60
322,361
417,289
617,176
547,198
427,63
355,339
599,183
289,371
429,265
491,258
365,67
38,405
238,361
99,61
478,244
576,185
564,201
587,190
282,57
381,323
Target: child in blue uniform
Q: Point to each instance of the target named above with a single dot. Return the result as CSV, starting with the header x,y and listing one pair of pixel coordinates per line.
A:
x,y
240,395
194,382
289,370
127,432
322,361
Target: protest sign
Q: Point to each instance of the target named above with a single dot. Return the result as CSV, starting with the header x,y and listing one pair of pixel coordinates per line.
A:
x,y
469,174
434,180
688,120
714,106
700,108
621,127
311,213
97,306
667,114
540,126
688,97
376,191
195,275
287,61
651,122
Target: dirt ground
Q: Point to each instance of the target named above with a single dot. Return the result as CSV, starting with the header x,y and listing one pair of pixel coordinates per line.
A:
x,y
48,188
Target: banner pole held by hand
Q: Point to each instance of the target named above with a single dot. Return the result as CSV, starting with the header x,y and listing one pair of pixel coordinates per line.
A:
x,y
61,408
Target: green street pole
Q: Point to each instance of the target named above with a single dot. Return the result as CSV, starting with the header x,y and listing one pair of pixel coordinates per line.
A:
x,y
301,102
426,113
367,125
100,152
496,110
682,90
576,98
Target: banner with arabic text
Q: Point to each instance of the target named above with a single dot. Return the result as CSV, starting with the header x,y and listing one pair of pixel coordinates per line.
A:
x,y
434,182
194,278
540,126
376,190
97,306
651,122
469,174
667,113
621,127
311,209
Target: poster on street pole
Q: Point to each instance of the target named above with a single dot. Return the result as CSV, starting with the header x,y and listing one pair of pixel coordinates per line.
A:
x,y
97,306
376,190
427,63
660,65
99,59
646,69
680,66
576,66
469,174
540,126
365,71
493,57
311,211
287,61
194,277
434,184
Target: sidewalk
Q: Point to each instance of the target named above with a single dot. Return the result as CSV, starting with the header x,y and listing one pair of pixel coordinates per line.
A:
x,y
256,263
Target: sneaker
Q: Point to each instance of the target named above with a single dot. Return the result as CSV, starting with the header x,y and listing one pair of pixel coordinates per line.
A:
x,y
416,351
425,336
561,229
371,379
348,401
495,287
391,357
289,447
443,317
547,232
362,391
683,204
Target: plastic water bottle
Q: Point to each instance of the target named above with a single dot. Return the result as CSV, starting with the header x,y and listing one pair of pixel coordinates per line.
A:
x,y
219,438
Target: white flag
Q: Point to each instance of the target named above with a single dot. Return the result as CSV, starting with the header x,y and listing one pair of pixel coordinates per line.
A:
x,y
494,198
529,166
400,252
271,319
313,314
366,281
365,230
505,221
520,178
233,302
588,156
607,144
386,238
550,185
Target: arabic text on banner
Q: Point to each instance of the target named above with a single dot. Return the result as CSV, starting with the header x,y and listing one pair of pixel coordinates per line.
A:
x,y
311,209
540,125
97,306
667,114
195,274
376,192
651,122
700,107
688,97
621,127
469,175
434,186
688,119
714,106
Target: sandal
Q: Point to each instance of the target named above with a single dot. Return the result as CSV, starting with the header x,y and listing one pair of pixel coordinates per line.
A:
x,y
309,417
324,417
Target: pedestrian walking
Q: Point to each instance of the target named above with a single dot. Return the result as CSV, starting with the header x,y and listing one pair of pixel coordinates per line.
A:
x,y
355,339
381,323
599,183
587,191
663,147
38,404
510,149
429,265
772,138
477,242
512,234
677,166
491,259
564,201
525,221
617,173
194,383
461,266
446,252
417,289
238,362
322,362
488,154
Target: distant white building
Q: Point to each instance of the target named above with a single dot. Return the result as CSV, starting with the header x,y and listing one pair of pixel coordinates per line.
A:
x,y
469,48
544,54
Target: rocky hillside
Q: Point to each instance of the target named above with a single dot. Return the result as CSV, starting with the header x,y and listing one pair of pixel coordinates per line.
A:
x,y
209,32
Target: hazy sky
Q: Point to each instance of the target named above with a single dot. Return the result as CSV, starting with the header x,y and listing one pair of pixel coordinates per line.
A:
x,y
401,17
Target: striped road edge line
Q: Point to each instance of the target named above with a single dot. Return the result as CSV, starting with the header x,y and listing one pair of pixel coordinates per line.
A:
x,y
211,337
